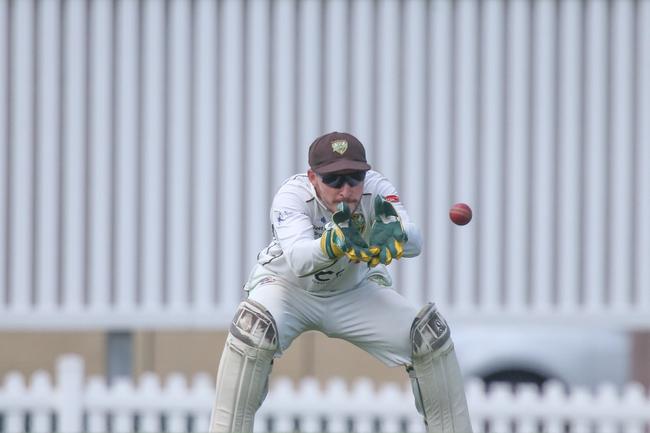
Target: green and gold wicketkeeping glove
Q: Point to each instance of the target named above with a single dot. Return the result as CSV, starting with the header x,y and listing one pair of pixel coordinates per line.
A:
x,y
343,238
387,235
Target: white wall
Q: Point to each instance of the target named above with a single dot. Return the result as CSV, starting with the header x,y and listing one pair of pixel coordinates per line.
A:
x,y
141,143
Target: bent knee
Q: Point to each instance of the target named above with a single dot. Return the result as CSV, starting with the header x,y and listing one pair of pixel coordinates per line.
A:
x,y
429,331
254,325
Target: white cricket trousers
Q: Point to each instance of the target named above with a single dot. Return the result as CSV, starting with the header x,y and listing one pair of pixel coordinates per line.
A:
x,y
375,318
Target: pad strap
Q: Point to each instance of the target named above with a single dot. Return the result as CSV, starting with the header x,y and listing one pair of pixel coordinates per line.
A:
x,y
429,331
255,326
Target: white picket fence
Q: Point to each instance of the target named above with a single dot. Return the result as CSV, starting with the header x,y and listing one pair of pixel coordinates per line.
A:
x,y
74,405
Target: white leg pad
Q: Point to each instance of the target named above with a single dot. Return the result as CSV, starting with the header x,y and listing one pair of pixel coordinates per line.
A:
x,y
244,369
435,375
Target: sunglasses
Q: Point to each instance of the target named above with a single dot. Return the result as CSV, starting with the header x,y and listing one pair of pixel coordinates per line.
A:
x,y
338,180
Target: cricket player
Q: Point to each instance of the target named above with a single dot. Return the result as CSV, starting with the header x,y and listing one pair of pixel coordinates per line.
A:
x,y
335,231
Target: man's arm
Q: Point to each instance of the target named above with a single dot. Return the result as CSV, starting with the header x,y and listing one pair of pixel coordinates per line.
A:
x,y
294,231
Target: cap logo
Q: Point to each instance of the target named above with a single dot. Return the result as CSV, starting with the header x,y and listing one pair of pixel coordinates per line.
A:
x,y
340,146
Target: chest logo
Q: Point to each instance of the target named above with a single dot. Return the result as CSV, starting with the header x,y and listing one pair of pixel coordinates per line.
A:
x,y
339,146
324,276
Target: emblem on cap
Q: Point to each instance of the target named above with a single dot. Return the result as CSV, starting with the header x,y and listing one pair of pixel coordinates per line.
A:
x,y
340,146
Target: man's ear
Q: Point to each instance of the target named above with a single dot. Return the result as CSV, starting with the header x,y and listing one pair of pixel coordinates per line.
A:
x,y
311,174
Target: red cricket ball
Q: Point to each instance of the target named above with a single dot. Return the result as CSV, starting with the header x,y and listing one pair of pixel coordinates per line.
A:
x,y
460,214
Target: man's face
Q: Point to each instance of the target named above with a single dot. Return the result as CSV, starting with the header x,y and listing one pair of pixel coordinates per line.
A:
x,y
339,189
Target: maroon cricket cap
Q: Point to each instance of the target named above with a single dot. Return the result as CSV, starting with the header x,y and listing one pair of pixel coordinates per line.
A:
x,y
337,152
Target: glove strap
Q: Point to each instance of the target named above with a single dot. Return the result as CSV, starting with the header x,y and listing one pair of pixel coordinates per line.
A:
x,y
329,246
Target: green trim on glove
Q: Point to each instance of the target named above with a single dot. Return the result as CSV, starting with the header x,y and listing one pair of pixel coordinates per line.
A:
x,y
343,237
387,235
332,243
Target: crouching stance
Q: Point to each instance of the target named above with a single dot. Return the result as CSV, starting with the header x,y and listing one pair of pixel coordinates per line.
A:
x,y
242,380
435,376
336,229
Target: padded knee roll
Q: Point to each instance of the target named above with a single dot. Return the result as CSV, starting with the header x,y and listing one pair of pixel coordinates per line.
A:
x,y
435,375
242,380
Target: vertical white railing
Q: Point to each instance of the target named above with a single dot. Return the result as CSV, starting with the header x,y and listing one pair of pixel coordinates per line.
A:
x,y
141,144
438,238
643,158
4,146
414,131
336,56
154,132
232,167
126,154
204,201
569,171
621,163
543,156
47,194
283,79
100,154
74,106
490,196
465,150
387,153
595,161
21,159
177,252
309,83
258,188
516,158
362,92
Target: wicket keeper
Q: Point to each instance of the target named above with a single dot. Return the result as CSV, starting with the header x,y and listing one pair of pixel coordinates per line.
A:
x,y
335,230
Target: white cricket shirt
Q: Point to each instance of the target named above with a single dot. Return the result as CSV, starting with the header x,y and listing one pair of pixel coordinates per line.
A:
x,y
298,219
